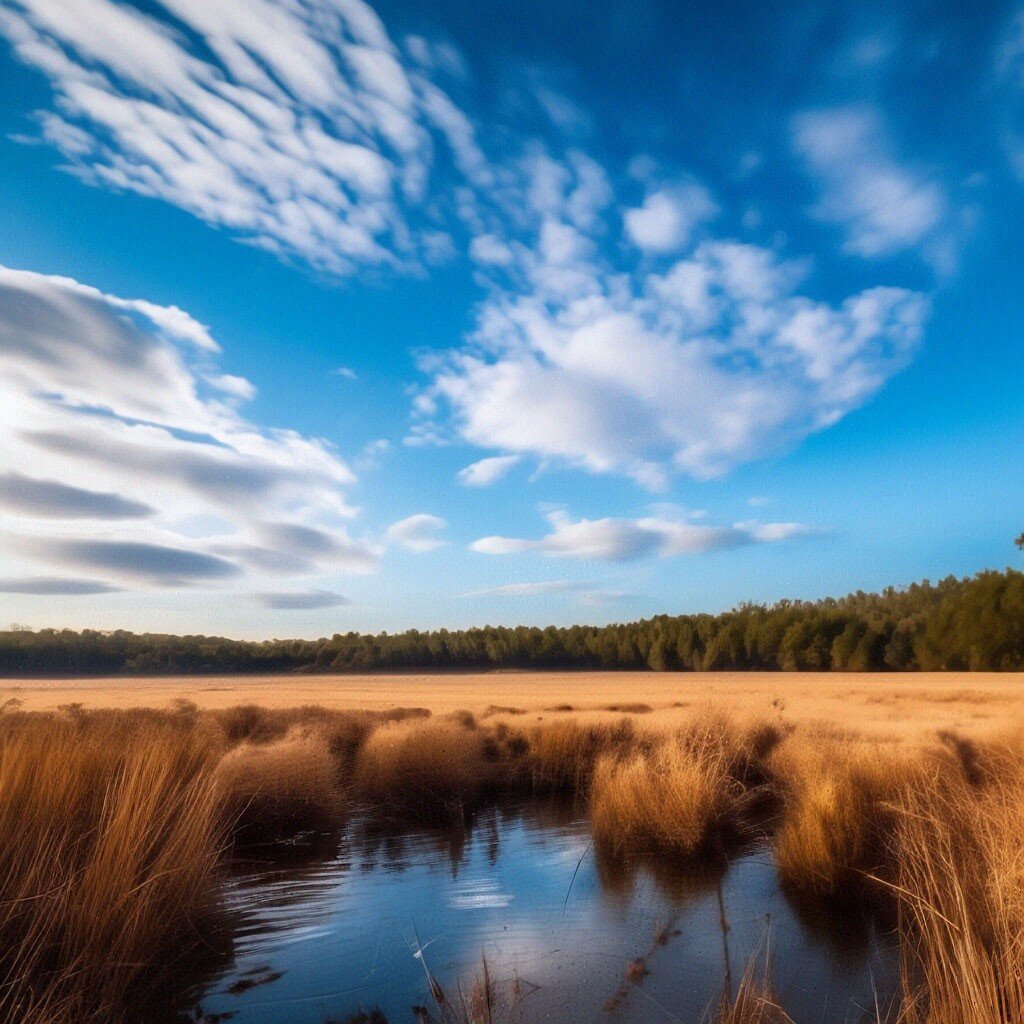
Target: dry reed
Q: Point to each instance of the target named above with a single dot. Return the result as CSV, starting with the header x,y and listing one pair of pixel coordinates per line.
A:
x,y
838,812
272,789
109,842
425,773
959,881
686,794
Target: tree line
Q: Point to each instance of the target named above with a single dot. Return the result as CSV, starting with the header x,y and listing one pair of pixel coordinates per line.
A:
x,y
974,623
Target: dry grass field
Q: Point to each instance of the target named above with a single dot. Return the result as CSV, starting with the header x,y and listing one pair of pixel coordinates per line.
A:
x,y
120,799
889,705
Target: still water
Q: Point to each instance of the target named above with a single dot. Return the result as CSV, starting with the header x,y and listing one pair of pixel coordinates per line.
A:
x,y
329,929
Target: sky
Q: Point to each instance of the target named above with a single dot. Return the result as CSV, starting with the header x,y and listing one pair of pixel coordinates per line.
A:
x,y
317,316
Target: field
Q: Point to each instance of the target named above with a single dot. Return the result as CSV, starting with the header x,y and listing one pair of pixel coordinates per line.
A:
x,y
890,705
120,800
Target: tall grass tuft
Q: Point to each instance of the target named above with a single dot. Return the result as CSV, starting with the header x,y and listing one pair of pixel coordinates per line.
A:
x,y
687,794
564,754
839,812
436,772
109,841
960,885
273,789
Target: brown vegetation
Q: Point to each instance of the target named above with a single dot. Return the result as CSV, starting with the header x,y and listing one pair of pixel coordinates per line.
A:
x,y
274,788
110,834
685,794
839,811
754,1002
959,880
113,825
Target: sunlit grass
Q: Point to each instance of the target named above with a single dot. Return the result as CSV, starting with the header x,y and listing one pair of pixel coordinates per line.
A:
x,y
110,835
113,826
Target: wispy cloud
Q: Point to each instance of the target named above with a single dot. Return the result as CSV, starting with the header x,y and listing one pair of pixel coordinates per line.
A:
x,y
485,472
619,331
1009,71
28,496
622,540
54,586
420,532
301,127
104,399
587,592
307,600
885,206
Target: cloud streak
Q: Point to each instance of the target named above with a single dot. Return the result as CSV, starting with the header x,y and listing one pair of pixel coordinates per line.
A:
x,y
103,399
485,472
624,540
623,329
885,206
49,498
55,586
419,533
309,600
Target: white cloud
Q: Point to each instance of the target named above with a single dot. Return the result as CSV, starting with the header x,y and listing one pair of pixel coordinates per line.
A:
x,y
418,532
303,128
295,125
620,540
885,206
120,432
372,454
238,387
667,219
532,589
714,361
485,472
301,600
490,250
345,371
587,592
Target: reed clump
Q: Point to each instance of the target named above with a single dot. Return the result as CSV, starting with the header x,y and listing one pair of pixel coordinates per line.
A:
x,y
110,835
564,754
273,789
839,798
959,883
687,794
426,773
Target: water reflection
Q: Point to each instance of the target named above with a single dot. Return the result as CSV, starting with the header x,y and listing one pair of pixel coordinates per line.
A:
x,y
328,928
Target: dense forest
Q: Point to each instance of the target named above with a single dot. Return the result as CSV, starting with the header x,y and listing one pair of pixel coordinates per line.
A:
x,y
974,624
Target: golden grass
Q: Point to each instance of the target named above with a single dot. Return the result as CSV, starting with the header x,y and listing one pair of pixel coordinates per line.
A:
x,y
753,1003
959,881
688,794
112,825
563,754
284,786
439,771
109,841
838,811
906,705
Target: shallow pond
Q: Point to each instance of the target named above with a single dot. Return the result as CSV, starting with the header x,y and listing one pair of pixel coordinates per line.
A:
x,y
329,929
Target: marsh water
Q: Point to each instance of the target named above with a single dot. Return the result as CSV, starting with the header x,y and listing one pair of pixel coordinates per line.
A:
x,y
328,928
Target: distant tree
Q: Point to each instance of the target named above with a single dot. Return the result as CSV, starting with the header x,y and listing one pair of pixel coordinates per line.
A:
x,y
1020,541
975,623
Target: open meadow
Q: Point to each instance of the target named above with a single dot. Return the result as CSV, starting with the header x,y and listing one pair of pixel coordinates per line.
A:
x,y
895,705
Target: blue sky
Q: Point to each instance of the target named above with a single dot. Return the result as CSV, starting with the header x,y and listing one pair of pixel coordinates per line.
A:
x,y
316,316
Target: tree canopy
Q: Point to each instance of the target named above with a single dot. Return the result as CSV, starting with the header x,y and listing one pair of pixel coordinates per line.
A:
x,y
974,623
